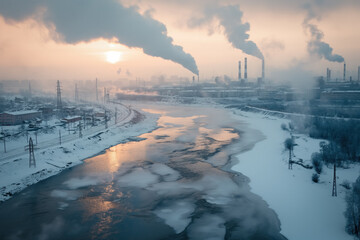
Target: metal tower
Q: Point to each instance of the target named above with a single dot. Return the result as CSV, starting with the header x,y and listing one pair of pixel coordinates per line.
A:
x,y
31,154
58,94
334,191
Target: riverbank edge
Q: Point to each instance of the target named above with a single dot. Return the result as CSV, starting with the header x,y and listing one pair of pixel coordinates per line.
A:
x,y
306,209
15,174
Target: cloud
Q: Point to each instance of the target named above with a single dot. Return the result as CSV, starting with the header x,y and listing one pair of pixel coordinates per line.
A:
x,y
86,20
235,30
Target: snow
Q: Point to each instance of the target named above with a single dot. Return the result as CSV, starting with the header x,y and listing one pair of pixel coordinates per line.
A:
x,y
306,209
51,158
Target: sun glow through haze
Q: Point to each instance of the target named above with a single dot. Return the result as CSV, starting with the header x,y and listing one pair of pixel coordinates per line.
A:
x,y
113,56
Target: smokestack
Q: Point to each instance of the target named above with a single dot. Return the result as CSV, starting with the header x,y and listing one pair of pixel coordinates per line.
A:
x,y
329,74
245,73
239,71
358,73
344,78
263,69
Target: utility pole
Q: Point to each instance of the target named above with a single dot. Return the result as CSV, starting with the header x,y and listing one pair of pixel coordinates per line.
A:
x,y
115,115
84,117
80,132
31,154
60,137
334,190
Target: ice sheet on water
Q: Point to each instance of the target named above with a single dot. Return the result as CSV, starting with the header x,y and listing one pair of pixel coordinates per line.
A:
x,y
176,214
219,189
138,177
210,227
166,172
63,205
66,194
75,183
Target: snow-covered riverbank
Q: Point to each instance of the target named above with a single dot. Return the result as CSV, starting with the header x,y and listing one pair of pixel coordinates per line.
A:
x,y
306,209
15,173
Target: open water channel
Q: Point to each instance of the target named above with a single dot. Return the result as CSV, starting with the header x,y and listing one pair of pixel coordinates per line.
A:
x,y
172,183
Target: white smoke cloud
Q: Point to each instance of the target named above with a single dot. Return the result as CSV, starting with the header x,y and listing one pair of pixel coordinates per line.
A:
x,y
85,20
236,31
316,45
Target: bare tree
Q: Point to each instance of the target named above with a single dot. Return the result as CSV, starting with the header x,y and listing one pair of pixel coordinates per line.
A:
x,y
352,213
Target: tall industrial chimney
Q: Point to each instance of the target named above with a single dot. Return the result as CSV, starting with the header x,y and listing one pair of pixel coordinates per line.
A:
x,y
239,71
245,73
344,78
263,70
358,73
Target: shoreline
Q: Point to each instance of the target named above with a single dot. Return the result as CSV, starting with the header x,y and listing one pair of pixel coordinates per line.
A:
x,y
15,174
305,209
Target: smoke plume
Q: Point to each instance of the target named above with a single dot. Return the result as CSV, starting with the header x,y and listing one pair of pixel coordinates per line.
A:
x,y
85,20
230,18
315,45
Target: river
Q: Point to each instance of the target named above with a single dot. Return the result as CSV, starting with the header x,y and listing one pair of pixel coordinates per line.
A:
x,y
171,183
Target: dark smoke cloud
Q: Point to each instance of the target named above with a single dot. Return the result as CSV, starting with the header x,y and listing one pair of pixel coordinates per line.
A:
x,y
85,20
230,18
316,45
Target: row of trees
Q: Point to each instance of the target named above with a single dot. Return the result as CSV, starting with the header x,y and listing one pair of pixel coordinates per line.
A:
x,y
343,136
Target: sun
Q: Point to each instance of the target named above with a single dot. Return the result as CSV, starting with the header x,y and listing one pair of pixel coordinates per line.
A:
x,y
113,56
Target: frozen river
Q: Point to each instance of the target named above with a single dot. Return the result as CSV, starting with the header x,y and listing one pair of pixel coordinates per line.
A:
x,y
172,183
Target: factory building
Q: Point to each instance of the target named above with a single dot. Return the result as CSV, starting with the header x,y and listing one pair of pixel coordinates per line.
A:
x,y
14,118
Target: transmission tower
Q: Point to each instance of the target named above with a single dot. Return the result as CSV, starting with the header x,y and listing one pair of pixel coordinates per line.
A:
x,y
334,191
58,94
31,154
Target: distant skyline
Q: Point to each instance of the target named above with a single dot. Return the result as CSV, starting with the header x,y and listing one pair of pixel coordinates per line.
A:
x,y
48,41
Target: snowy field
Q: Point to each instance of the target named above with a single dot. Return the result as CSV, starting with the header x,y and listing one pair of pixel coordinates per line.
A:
x,y
306,209
51,159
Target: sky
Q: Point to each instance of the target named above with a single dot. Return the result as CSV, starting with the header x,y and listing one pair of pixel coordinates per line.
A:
x,y
130,39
